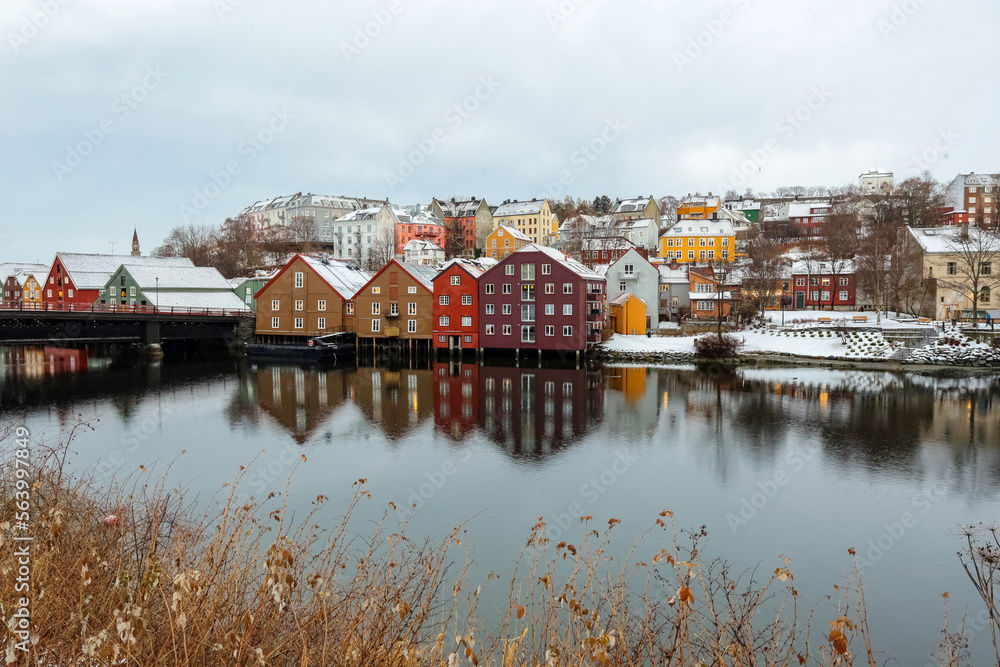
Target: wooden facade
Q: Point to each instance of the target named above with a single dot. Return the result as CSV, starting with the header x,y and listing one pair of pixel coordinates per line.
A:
x,y
456,307
397,303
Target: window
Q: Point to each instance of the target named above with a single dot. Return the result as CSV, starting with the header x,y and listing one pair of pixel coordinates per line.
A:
x,y
843,295
670,243
131,291
466,321
299,304
444,321
509,269
275,304
825,295
567,288
985,268
629,270
725,254
703,288
376,308
71,293
567,309
411,326
489,309
690,254
690,243
527,292
952,268
489,288
350,307
466,299
444,300
567,330
506,309
111,292
506,288
528,313
725,242
411,308
701,254
815,295
376,326
489,330
705,305
826,282
321,304
814,281
622,286
711,242
506,330
550,330
550,309
550,288
376,289
527,272
456,280
122,279
546,269
528,333
300,279
412,289
468,339
321,323
702,242
298,322
394,308
274,322
842,281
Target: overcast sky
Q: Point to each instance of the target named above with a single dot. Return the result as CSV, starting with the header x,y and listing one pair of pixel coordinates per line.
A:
x,y
153,114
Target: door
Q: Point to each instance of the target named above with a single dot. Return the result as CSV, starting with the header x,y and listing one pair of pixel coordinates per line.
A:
x,y
800,301
456,342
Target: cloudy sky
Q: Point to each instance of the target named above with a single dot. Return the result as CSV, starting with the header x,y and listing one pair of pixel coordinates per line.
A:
x,y
153,114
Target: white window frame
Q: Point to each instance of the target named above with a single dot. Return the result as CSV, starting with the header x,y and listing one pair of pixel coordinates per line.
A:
x,y
275,322
299,323
376,325
567,330
321,304
489,330
456,280
321,323
466,320
411,326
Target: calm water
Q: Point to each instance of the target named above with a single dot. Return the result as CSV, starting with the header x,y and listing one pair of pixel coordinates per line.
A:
x,y
801,462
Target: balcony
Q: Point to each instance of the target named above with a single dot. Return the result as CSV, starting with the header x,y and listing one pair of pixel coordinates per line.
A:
x,y
392,316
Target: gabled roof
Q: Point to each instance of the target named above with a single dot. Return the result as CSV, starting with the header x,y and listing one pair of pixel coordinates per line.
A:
x,y
177,277
632,205
9,269
944,240
415,244
513,232
461,209
673,275
700,227
93,271
197,299
469,266
346,278
519,208
359,214
422,273
571,264
607,243
622,298
800,210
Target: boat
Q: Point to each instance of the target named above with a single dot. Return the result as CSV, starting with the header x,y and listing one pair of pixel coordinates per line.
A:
x,y
324,349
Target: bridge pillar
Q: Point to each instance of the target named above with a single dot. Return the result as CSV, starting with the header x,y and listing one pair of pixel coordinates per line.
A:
x,y
152,332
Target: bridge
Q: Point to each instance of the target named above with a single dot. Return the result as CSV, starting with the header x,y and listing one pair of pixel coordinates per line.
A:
x,y
28,324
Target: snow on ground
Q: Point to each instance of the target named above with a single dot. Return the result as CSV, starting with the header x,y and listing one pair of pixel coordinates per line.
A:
x,y
840,318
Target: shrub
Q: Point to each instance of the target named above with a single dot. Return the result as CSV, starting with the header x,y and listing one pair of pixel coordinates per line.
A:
x,y
714,346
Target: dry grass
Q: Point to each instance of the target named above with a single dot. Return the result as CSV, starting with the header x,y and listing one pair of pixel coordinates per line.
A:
x,y
167,584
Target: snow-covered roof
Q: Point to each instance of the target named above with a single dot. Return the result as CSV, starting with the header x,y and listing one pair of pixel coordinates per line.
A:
x,y
345,277
632,205
177,277
519,208
19,270
474,267
323,201
165,299
422,273
809,210
93,271
359,214
460,208
420,244
700,201
602,269
701,228
607,243
510,231
821,267
709,296
571,264
944,240
671,275
623,297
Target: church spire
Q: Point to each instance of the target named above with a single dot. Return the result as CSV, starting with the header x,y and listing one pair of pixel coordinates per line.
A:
x,y
135,243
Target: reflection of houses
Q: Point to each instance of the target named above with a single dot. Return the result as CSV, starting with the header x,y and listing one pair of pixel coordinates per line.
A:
x,y
456,399
300,400
632,402
397,401
536,412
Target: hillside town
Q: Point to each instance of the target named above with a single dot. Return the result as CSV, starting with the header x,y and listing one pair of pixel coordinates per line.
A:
x,y
553,275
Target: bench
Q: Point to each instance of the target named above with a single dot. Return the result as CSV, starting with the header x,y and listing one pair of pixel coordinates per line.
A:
x,y
860,318
823,320
923,320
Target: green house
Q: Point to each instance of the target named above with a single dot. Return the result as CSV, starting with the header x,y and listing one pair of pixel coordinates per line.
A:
x,y
169,289
246,289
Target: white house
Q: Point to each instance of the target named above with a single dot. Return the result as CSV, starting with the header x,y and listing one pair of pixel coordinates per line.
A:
x,y
633,273
422,252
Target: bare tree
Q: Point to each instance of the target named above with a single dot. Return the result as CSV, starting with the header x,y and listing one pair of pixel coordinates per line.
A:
x,y
977,253
919,200
668,210
237,247
874,268
763,272
196,242
840,241
382,249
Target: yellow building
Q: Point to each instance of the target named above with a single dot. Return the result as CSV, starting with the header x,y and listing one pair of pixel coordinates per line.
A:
x,y
699,241
627,314
532,218
503,241
698,208
31,293
637,209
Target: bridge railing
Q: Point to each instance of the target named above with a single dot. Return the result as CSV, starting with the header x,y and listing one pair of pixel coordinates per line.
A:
x,y
122,309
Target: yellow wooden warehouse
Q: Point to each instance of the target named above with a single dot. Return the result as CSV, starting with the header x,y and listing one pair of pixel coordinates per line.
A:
x,y
628,314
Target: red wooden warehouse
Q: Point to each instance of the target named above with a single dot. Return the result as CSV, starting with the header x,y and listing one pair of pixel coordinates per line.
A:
x,y
456,306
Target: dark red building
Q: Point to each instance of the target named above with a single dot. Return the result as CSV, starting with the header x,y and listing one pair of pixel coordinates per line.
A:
x,y
538,299
76,280
817,287
456,306
607,250
456,399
